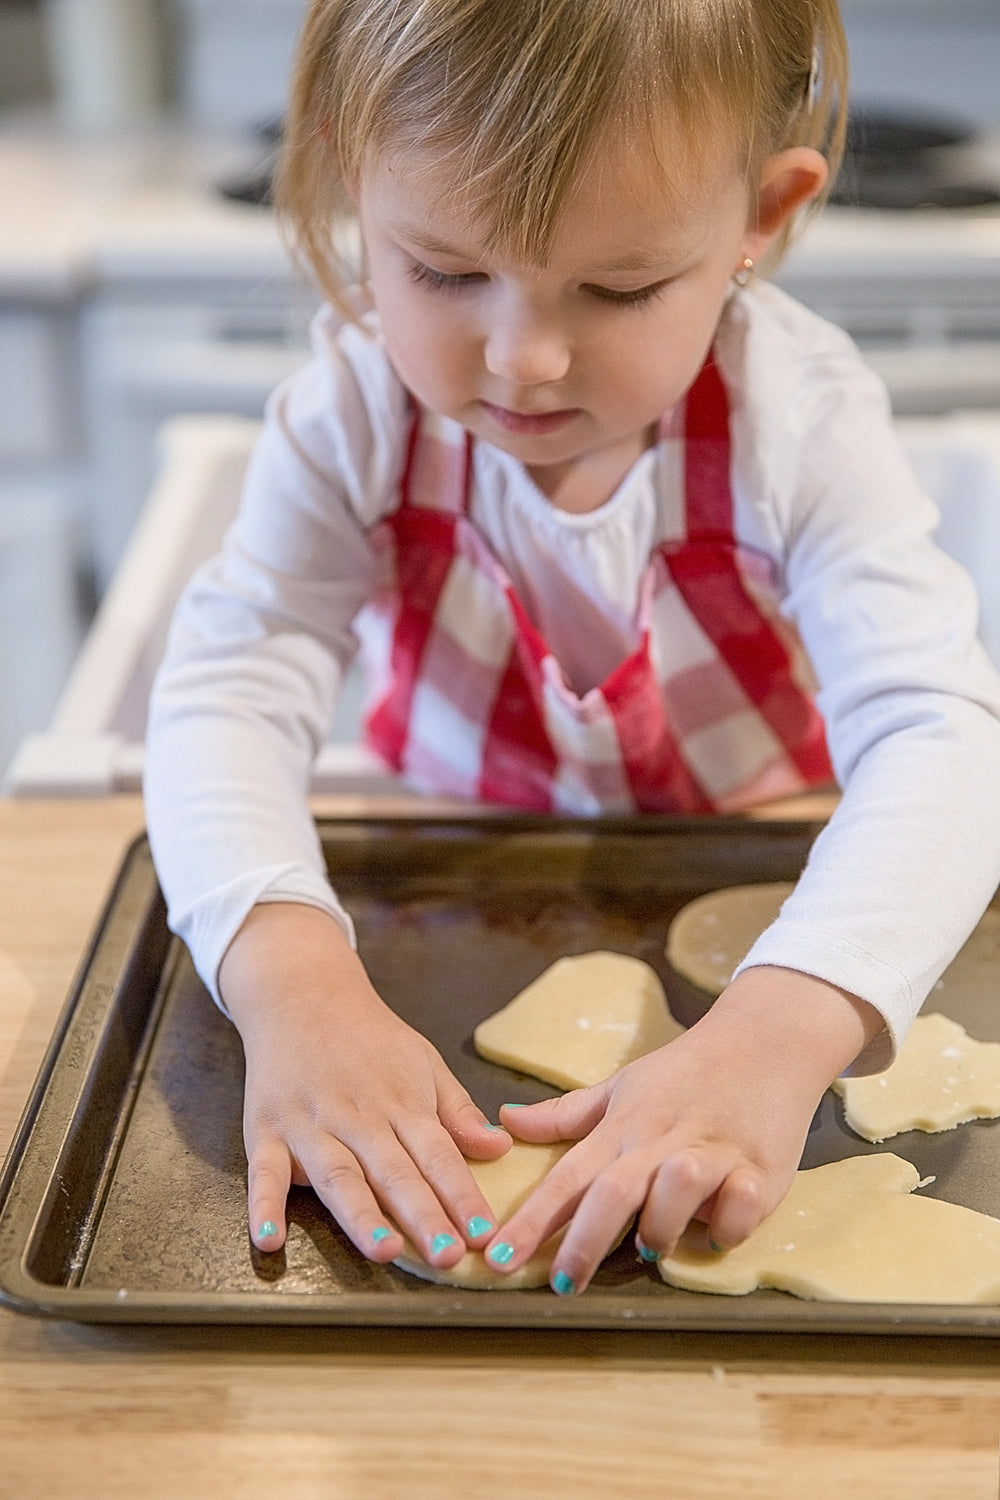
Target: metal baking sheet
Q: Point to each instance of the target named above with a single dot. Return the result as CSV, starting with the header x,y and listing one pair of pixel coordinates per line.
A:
x,y
123,1195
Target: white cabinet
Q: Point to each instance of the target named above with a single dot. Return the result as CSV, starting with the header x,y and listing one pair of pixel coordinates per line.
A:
x,y
33,358
41,622
151,350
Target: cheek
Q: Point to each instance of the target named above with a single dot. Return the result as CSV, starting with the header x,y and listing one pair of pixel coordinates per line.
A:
x,y
428,354
674,345
642,362
646,369
402,330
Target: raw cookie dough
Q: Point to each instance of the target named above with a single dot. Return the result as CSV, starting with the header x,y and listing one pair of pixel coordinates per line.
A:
x,y
505,1184
710,936
580,1021
851,1232
941,1077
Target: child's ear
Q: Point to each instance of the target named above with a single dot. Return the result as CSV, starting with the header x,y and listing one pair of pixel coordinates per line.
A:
x,y
788,180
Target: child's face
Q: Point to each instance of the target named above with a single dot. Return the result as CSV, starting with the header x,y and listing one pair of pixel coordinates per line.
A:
x,y
568,362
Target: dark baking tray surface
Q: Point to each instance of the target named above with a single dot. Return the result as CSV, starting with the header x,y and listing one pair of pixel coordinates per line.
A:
x,y
123,1195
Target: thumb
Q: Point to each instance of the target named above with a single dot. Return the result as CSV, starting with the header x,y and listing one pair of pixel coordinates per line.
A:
x,y
567,1118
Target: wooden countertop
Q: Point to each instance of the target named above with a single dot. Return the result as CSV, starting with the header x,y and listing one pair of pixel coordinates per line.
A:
x,y
430,1415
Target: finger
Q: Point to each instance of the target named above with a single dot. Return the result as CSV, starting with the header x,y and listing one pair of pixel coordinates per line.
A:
x,y
446,1171
365,1198
551,1205
469,1128
677,1190
337,1179
739,1207
269,1176
604,1212
702,1215
567,1118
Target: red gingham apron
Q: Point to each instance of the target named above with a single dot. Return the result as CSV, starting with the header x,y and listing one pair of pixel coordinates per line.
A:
x,y
710,712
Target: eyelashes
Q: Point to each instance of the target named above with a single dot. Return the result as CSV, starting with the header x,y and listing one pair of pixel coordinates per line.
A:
x,y
448,281
442,281
636,298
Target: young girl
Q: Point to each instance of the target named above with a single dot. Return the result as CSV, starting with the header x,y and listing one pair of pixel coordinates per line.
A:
x,y
604,510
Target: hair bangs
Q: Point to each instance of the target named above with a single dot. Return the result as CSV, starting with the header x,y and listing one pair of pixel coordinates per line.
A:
x,y
518,98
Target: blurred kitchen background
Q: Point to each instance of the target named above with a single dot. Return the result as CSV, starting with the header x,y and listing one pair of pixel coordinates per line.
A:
x,y
141,278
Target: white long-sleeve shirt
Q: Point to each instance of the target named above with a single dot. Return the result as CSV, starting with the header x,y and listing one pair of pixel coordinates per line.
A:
x,y
263,636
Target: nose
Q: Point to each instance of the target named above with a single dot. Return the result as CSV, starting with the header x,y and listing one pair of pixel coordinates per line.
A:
x,y
525,347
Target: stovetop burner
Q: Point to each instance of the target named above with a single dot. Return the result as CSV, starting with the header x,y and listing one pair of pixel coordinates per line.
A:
x,y
906,191
255,186
900,162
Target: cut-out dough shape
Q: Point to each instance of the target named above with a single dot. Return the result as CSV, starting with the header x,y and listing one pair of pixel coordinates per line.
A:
x,y
941,1078
580,1021
710,936
852,1232
505,1184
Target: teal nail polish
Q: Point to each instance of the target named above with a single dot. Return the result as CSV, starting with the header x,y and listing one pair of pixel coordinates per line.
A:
x,y
267,1229
717,1248
513,1106
501,1254
441,1242
493,1127
562,1284
478,1226
380,1233
648,1255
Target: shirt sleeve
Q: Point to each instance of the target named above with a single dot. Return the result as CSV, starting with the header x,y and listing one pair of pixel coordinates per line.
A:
x,y
911,857
258,647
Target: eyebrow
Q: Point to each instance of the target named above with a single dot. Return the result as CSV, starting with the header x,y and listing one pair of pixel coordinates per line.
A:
x,y
429,242
639,260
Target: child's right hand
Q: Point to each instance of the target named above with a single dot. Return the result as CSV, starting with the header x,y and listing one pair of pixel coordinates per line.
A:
x,y
341,1094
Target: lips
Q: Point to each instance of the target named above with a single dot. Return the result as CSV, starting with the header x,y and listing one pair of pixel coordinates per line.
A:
x,y
533,423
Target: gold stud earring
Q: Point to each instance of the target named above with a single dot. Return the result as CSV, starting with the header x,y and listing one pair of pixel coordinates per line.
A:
x,y
744,275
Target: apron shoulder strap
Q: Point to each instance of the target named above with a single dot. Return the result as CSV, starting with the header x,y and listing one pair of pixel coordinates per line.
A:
x,y
437,470
707,494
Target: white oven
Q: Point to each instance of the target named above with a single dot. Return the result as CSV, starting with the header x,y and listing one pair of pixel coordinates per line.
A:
x,y
920,292
914,271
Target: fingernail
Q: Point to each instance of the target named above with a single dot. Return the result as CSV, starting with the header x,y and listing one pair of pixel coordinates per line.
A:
x,y
380,1233
562,1284
267,1229
717,1248
441,1242
477,1227
648,1255
501,1254
513,1106
494,1127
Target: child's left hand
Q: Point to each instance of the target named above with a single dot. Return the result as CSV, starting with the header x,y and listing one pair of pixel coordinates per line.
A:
x,y
711,1126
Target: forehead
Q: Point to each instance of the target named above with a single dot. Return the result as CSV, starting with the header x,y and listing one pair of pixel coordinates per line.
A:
x,y
630,205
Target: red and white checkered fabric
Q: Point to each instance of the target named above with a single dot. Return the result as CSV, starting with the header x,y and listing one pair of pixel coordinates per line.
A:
x,y
710,712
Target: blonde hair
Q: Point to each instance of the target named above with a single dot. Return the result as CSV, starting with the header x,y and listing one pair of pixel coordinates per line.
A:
x,y
520,93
